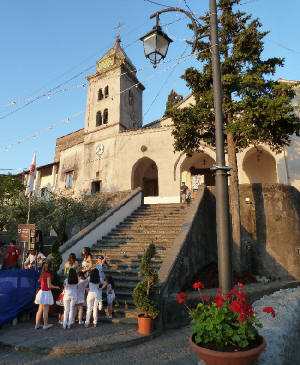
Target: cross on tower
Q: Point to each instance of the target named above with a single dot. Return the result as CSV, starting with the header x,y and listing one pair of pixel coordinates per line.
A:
x,y
118,27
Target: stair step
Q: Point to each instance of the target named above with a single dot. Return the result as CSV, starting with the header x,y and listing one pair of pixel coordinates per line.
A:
x,y
119,240
125,245
125,277
118,273
125,248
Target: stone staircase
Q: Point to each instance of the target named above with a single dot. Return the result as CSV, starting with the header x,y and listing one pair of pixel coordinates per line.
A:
x,y
125,245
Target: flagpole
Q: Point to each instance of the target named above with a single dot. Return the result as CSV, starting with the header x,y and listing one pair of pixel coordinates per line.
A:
x,y
29,204
30,183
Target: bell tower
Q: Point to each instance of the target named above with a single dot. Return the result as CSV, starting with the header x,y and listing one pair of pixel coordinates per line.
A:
x,y
114,100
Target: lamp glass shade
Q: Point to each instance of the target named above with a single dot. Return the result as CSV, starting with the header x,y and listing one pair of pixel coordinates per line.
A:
x,y
156,44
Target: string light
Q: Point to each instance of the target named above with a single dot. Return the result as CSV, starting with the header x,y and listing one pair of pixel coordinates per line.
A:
x,y
67,120
50,94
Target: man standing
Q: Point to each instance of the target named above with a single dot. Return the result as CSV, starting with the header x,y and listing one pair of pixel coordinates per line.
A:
x,y
183,189
12,256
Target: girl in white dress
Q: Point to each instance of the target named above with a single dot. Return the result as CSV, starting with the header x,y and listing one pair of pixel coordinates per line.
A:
x,y
93,298
82,283
44,297
70,298
110,294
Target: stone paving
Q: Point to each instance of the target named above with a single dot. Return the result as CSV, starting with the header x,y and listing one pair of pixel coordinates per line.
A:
x,y
171,348
78,339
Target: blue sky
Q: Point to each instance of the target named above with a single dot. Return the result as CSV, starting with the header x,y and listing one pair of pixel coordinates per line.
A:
x,y
46,43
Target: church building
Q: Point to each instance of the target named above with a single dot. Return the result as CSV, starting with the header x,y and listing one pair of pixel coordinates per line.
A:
x,y
115,152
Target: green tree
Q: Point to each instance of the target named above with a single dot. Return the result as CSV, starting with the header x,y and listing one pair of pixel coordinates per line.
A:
x,y
56,211
10,187
256,109
173,99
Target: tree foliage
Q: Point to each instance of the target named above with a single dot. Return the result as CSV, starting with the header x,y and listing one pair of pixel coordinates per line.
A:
x,y
144,292
173,99
10,187
256,109
55,211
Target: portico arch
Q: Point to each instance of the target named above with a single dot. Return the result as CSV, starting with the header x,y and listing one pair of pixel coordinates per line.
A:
x,y
195,170
260,166
145,175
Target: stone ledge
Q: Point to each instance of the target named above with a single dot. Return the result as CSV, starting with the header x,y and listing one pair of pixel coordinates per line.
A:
x,y
57,341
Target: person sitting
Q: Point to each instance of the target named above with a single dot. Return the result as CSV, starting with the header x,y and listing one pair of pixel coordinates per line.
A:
x,y
34,259
12,256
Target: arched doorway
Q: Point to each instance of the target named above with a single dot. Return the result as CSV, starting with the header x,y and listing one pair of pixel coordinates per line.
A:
x,y
260,166
145,175
196,170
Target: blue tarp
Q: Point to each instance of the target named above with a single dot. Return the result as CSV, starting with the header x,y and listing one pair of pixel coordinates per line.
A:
x,y
17,292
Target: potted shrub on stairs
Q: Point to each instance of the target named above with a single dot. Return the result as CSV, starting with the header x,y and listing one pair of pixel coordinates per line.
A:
x,y
144,293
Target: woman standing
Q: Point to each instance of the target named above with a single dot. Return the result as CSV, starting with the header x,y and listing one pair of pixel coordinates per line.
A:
x,y
70,264
93,299
70,298
44,297
87,261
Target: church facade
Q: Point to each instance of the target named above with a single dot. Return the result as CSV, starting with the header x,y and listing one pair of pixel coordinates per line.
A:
x,y
114,152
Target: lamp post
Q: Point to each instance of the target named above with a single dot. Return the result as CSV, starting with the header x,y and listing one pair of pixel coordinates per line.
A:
x,y
156,45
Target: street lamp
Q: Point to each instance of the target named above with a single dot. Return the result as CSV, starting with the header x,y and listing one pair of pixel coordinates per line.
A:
x,y
156,44
153,50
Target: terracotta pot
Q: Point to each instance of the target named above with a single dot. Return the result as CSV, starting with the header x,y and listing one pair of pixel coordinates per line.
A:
x,y
145,325
211,357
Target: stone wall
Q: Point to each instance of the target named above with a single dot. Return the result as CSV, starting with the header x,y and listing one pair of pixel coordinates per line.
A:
x,y
270,230
68,141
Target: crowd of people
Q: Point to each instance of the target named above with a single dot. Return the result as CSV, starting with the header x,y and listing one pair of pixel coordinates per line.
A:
x,y
11,258
83,287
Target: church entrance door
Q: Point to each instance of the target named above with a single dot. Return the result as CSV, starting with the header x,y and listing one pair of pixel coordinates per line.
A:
x,y
145,175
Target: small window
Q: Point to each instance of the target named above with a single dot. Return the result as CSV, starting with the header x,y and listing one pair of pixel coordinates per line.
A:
x,y
69,179
105,116
130,97
100,94
96,187
98,119
106,91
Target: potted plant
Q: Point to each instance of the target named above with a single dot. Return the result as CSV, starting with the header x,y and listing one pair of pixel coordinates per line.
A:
x,y
224,329
144,293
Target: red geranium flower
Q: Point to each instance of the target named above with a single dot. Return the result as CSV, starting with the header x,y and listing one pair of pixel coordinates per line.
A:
x,y
198,285
269,310
181,297
219,300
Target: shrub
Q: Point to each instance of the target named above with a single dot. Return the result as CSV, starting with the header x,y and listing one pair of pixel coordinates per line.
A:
x,y
144,292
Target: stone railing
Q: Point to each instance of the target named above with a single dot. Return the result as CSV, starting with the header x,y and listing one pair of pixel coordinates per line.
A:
x,y
88,236
195,245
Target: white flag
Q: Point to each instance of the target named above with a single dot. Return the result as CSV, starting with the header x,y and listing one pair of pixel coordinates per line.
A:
x,y
32,172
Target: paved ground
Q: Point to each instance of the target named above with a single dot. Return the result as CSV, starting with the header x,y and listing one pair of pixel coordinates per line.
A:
x,y
170,348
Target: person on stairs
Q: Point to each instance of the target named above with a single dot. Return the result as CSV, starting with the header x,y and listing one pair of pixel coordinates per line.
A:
x,y
110,294
72,263
87,263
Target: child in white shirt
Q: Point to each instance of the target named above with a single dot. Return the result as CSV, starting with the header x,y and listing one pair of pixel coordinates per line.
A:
x,y
70,298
